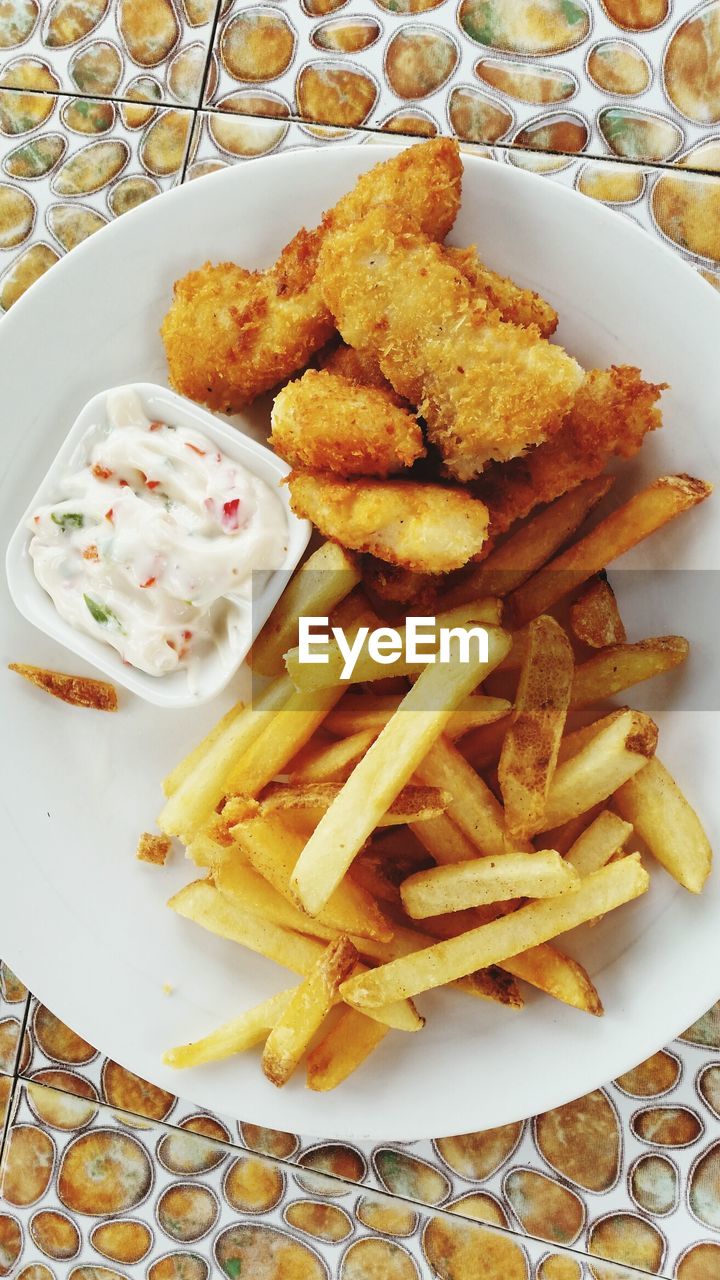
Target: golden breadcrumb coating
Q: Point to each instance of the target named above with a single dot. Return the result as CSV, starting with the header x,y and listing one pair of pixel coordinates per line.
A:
x,y
487,389
515,304
79,691
613,412
421,183
360,367
153,849
327,423
424,527
231,334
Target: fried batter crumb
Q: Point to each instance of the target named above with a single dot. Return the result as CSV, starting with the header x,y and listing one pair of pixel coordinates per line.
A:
x,y
78,691
153,849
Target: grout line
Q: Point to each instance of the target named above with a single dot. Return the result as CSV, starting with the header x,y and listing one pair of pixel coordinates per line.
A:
x,y
7,1124
21,1038
210,52
195,109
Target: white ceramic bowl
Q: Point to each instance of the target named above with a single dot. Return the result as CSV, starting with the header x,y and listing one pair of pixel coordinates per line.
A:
x,y
214,672
87,926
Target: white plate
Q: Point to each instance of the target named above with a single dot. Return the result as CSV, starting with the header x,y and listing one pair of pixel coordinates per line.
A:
x,y
84,923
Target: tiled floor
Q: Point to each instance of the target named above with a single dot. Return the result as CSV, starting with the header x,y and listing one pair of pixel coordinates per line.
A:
x,y
104,104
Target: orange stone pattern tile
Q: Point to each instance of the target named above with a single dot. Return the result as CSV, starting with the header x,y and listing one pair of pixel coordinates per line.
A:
x,y
143,50
628,1176
93,1193
635,79
68,166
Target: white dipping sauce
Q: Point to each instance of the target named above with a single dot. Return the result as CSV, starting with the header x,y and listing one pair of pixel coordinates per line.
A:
x,y
151,536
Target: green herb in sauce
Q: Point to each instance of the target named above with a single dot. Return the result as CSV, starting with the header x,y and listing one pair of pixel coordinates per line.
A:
x,y
102,614
68,520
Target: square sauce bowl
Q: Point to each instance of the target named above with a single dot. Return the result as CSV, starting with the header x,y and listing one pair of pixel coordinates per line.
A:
x,y
211,671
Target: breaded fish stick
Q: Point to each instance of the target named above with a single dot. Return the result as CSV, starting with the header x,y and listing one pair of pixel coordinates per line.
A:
x,y
231,334
327,423
487,389
613,411
515,304
360,367
425,527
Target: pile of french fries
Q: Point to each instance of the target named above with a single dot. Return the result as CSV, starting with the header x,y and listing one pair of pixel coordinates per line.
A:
x,y
381,838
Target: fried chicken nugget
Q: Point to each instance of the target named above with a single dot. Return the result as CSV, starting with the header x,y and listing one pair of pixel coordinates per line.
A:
x,y
613,412
327,423
423,527
231,334
487,389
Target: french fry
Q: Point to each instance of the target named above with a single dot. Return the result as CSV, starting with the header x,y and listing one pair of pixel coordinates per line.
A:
x,y
207,907
314,677
482,746
177,776
595,617
518,652
599,768
331,761
579,738
520,555
545,967
238,881
273,850
487,880
412,804
201,790
599,893
383,772
564,836
598,843
236,1036
486,984
370,712
530,748
660,814
474,808
643,514
343,1049
326,578
291,728
306,1011
444,840
558,975
619,666
206,852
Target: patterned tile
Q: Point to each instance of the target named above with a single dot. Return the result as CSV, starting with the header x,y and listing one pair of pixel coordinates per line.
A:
x,y
145,50
70,165
636,79
629,1173
13,1003
681,207
85,1186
